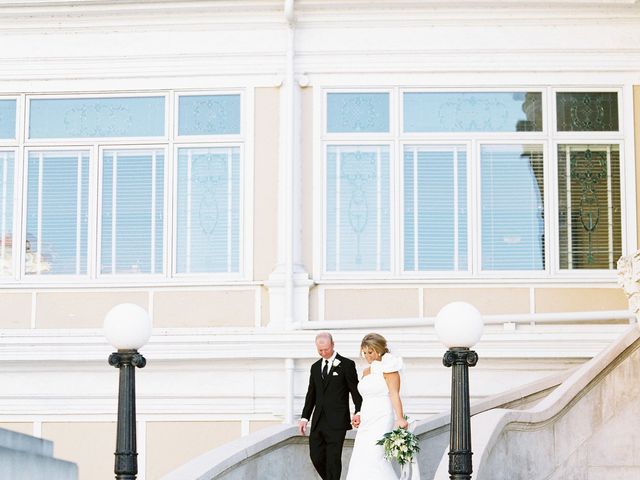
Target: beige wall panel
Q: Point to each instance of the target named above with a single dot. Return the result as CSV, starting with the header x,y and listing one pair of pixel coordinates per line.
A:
x,y
26,428
81,309
314,298
579,299
165,454
16,310
264,307
354,304
265,218
89,445
259,425
179,308
306,161
490,301
636,129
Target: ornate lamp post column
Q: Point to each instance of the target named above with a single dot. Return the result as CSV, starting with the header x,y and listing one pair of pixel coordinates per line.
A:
x,y
127,327
459,326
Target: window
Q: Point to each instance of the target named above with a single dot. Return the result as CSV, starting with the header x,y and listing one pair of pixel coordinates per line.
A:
x,y
472,183
121,186
57,213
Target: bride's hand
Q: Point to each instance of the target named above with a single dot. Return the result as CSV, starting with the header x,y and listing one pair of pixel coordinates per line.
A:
x,y
402,423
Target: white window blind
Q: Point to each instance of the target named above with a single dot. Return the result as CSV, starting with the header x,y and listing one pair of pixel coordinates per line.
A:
x,y
358,217
512,207
589,202
57,212
7,167
208,210
132,206
435,208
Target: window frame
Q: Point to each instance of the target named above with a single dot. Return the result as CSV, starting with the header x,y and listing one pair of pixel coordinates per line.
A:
x,y
549,138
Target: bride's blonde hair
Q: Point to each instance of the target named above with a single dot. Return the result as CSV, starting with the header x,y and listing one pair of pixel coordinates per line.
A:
x,y
376,342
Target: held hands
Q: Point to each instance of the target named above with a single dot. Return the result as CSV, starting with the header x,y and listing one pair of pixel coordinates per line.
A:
x,y
302,426
355,421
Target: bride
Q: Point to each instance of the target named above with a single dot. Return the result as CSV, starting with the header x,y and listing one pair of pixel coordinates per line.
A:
x,y
380,390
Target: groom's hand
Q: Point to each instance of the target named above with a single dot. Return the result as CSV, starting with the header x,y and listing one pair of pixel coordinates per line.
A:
x,y
302,426
355,421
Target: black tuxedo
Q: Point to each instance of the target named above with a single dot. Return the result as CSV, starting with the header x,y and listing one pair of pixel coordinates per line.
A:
x,y
328,399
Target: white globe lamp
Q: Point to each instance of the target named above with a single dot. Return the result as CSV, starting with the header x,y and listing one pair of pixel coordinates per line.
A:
x,y
459,324
127,326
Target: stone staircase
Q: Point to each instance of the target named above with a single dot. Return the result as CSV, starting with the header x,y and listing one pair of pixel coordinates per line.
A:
x,y
23,457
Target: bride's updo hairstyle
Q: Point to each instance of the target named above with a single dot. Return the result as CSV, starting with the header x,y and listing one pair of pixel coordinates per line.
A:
x,y
376,342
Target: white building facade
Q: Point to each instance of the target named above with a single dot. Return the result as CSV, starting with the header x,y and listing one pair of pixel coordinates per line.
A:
x,y
253,171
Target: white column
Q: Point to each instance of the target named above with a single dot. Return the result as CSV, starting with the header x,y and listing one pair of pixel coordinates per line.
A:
x,y
289,283
629,280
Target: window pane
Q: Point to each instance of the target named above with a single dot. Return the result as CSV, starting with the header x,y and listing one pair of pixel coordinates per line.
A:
x,y
57,213
208,210
8,119
589,206
358,214
587,111
209,115
96,117
512,200
435,208
472,112
132,211
7,165
357,112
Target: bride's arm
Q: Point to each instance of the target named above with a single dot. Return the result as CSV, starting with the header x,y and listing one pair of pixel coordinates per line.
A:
x,y
393,383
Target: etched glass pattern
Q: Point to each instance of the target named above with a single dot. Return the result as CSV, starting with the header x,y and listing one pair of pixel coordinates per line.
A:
x,y
358,217
208,210
435,208
512,207
7,168
472,112
209,115
7,119
589,202
57,213
97,117
132,206
357,112
587,111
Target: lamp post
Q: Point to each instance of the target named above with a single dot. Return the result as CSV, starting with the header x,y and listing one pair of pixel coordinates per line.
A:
x,y
127,327
459,327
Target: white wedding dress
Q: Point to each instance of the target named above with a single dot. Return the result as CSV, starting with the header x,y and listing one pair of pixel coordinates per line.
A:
x,y
376,419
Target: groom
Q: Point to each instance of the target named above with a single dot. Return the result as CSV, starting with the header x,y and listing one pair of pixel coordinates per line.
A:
x,y
332,379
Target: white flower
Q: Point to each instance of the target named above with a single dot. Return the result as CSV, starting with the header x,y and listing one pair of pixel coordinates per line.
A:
x,y
336,362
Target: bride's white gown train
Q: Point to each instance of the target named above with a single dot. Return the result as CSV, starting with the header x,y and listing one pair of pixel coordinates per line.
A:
x,y
376,419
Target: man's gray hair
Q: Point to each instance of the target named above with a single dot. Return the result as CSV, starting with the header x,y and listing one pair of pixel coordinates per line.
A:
x,y
325,336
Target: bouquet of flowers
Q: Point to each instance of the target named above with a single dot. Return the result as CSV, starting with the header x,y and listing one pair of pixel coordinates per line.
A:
x,y
400,445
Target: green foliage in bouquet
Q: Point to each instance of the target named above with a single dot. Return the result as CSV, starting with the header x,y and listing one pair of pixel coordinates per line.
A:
x,y
400,445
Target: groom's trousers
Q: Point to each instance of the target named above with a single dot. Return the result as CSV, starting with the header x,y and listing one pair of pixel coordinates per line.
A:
x,y
325,449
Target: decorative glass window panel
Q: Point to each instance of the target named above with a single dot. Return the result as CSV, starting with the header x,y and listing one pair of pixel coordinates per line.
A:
x,y
357,112
587,111
435,208
208,210
57,213
96,117
472,112
512,207
7,166
8,119
209,114
589,201
358,217
132,211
